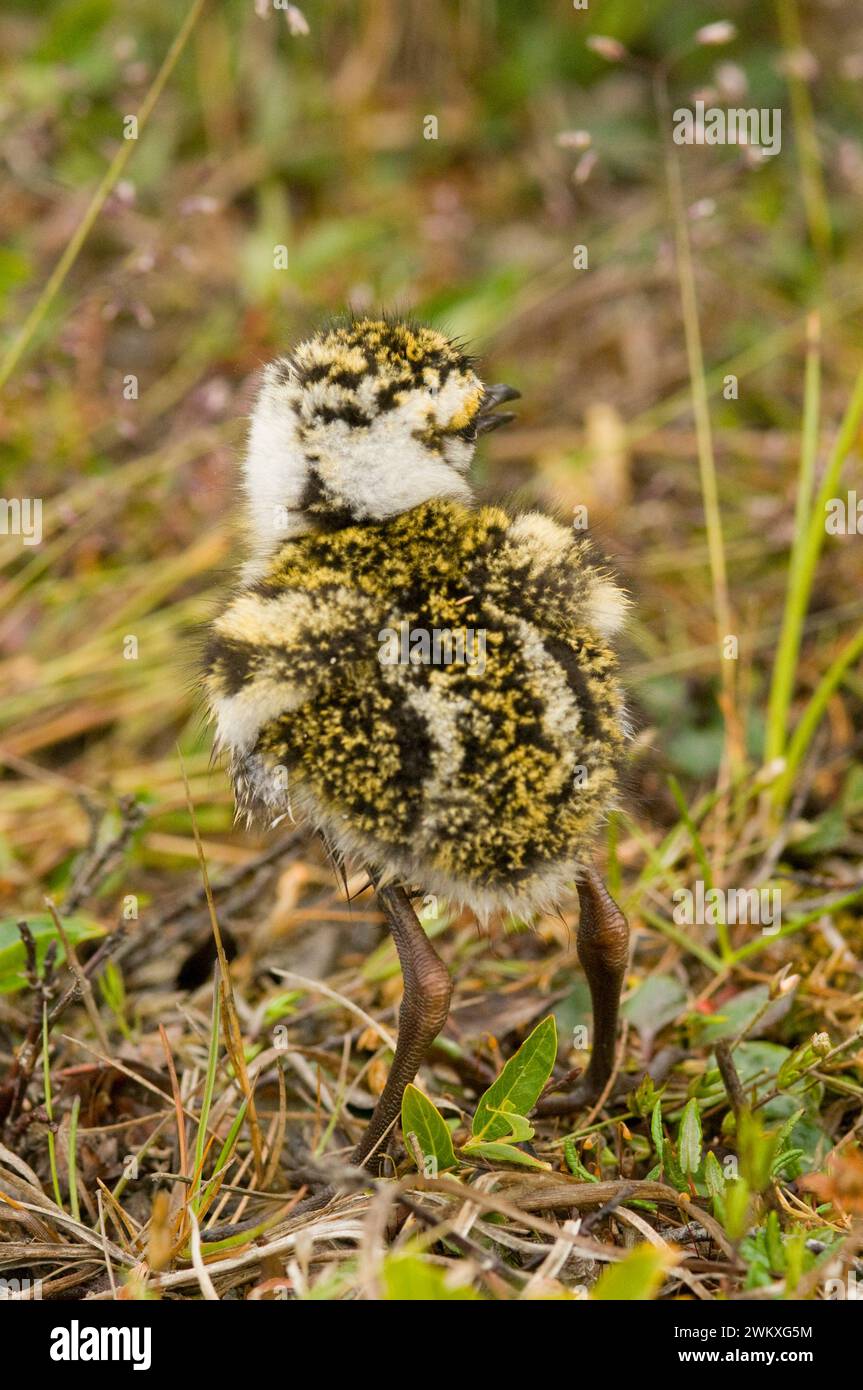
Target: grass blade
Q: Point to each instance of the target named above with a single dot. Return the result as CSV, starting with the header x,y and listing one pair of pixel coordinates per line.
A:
x,y
797,592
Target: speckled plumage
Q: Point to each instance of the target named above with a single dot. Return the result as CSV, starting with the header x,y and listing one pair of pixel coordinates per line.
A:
x,y
484,781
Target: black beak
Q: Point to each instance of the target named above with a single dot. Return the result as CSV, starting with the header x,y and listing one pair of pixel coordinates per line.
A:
x,y
495,395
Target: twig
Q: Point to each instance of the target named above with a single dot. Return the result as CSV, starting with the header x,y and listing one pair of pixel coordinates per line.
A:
x,y
84,987
109,947
18,1079
730,1078
98,863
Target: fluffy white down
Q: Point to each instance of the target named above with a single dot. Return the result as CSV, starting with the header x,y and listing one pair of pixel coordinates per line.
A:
x,y
377,470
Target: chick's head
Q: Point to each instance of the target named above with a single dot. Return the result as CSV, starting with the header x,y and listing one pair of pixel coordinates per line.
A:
x,y
367,419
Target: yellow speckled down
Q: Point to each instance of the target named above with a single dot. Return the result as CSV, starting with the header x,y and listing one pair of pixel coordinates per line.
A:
x,y
484,780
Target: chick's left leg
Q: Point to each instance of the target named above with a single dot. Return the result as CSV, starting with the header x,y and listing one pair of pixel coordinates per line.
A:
x,y
423,1013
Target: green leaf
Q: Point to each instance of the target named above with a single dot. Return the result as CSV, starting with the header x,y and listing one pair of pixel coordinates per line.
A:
x,y
281,1006
574,1163
828,832
410,1278
756,1148
518,1131
689,1138
644,1098
714,1176
667,1162
758,1064
112,988
775,1249
422,1118
656,1002
795,1260
13,957
788,1153
753,1248
736,1016
520,1128
506,1153
636,1278
520,1084
808,1054
657,1133
737,1196
673,1171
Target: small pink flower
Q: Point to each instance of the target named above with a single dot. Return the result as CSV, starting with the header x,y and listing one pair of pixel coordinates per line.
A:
x,y
715,34
610,49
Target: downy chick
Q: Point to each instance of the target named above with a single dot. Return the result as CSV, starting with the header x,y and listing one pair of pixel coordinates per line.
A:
x,y
426,681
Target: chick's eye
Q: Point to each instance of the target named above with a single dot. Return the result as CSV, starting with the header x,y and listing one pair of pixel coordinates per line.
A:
x,y
468,433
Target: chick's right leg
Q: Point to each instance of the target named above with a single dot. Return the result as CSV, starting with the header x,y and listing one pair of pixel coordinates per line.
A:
x,y
423,1013
603,949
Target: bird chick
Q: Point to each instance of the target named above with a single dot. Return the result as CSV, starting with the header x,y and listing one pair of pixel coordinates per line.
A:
x,y
426,681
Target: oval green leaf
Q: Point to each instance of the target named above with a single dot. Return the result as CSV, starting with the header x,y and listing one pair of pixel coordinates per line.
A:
x,y
689,1137
714,1176
506,1153
422,1118
520,1084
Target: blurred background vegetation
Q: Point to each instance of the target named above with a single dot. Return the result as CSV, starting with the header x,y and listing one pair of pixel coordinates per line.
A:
x,y
264,137
307,129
